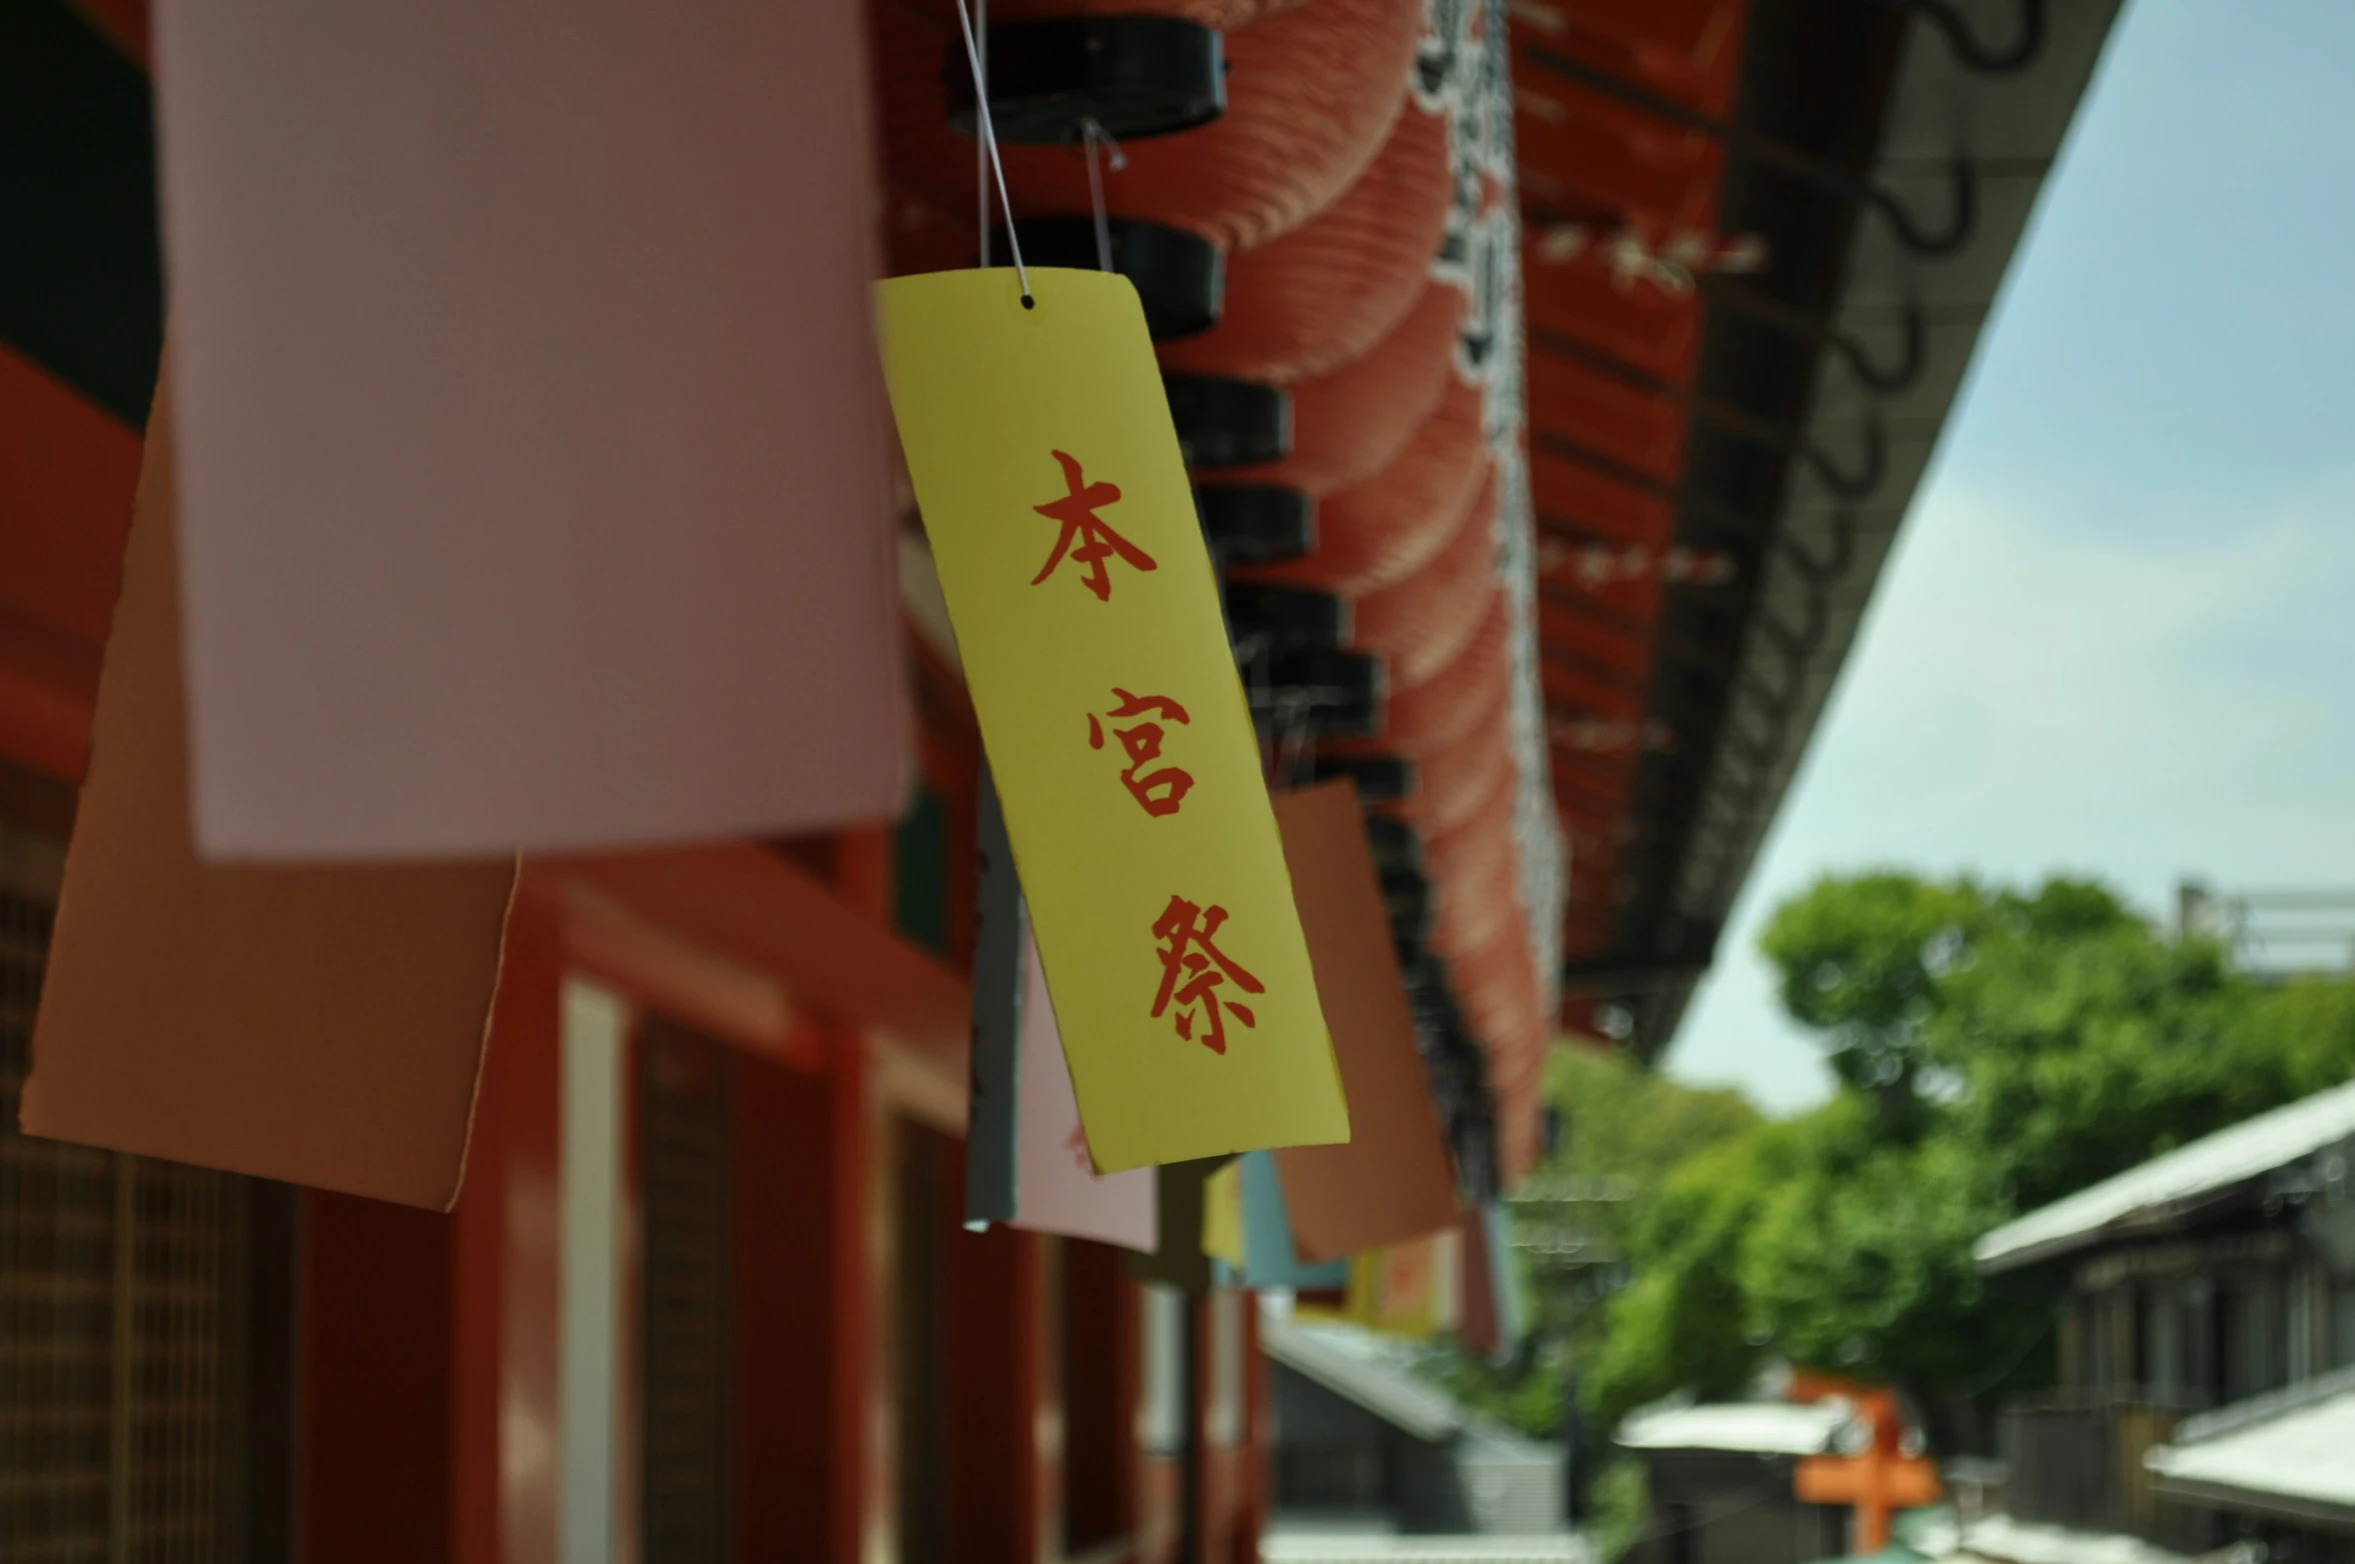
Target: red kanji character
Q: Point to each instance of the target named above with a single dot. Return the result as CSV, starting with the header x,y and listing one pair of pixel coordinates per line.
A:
x,y
1193,961
1143,743
1077,1145
1098,542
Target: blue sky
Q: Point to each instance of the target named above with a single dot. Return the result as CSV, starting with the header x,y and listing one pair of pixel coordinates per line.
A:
x,y
2118,634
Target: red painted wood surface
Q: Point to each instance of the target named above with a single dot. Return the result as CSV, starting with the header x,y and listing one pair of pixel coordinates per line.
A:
x,y
1255,1458
503,1360
67,473
786,1252
1610,355
375,1408
829,945
1102,1352
125,21
1002,1406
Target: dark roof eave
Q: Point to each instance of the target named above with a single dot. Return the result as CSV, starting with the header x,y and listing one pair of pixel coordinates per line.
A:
x,y
2275,1506
2172,1219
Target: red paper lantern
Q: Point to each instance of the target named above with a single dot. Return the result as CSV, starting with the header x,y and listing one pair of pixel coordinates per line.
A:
x,y
1350,423
1445,707
1328,291
1382,530
1420,624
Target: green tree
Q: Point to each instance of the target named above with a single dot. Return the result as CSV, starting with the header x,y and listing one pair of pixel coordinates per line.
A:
x,y
1620,1120
1995,1050
1683,1322
1626,1131
1860,961
1861,1262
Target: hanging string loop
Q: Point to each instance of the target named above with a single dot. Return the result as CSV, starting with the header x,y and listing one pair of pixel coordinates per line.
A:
x,y
997,167
1094,135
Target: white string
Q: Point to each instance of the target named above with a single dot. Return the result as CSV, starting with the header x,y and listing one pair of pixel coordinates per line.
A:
x,y
989,139
981,146
1094,135
1293,741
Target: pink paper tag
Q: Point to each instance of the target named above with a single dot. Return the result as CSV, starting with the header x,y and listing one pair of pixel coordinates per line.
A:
x,y
1057,1189
532,445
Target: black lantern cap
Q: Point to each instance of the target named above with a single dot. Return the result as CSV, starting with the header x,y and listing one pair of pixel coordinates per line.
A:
x,y
1342,692
1135,76
1407,895
1396,845
1380,779
1181,277
1255,523
1259,615
1229,423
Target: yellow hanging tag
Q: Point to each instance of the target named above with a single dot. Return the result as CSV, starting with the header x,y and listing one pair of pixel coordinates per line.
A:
x,y
1222,1216
1407,1289
1088,621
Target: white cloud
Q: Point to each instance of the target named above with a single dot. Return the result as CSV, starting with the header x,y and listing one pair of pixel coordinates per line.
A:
x,y
2070,682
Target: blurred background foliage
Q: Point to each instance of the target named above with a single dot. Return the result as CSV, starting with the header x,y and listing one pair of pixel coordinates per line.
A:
x,y
1995,1048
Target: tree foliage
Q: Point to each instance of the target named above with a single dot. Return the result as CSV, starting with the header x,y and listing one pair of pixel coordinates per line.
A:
x,y
1627,1130
1995,1049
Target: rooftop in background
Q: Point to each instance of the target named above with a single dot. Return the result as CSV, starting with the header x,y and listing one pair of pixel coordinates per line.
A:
x,y
1420,1465
1999,1539
1740,1428
1310,1547
1372,1372
2169,1189
1363,1369
2291,1454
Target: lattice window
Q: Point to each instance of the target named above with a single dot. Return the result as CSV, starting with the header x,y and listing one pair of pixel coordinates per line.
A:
x,y
687,1166
124,1326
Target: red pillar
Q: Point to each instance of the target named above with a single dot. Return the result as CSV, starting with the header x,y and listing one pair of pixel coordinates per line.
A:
x,y
861,1422
1257,1447
786,1252
1004,1465
375,1402
504,1432
1102,1333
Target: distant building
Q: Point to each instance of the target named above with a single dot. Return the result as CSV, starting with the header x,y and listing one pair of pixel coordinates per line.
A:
x,y
2207,1345
1721,1477
2287,1458
2272,936
1363,1445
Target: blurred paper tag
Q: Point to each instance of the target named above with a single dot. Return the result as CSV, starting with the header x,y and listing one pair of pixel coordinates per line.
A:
x,y
1406,1290
1477,1331
1504,1272
1026,1154
1056,1189
1270,1258
533,457
1089,624
1394,1181
1222,1217
322,1025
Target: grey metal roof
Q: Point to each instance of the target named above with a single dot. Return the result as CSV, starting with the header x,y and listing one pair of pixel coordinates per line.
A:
x,y
2165,1188
1739,1427
2290,1454
1294,1547
1354,1367
2002,1539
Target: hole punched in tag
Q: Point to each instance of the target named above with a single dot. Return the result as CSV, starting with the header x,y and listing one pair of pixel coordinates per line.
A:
x,y
997,167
